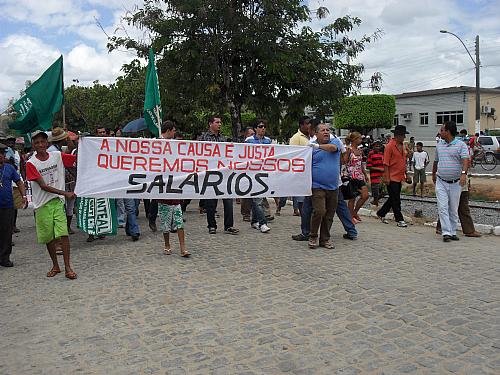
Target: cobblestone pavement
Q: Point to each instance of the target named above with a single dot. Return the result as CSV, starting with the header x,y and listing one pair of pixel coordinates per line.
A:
x,y
395,301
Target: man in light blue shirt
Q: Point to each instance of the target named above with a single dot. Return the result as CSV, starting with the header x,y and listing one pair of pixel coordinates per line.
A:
x,y
449,174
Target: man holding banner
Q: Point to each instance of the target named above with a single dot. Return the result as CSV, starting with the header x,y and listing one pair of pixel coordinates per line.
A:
x,y
325,182
213,135
46,171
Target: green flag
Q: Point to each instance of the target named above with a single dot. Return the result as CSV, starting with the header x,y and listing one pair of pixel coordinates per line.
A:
x,y
43,99
152,103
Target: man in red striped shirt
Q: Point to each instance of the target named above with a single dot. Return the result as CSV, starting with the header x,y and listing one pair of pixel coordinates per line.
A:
x,y
375,164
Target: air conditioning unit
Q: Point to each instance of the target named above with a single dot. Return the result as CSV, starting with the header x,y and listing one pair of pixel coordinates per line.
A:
x,y
406,116
486,109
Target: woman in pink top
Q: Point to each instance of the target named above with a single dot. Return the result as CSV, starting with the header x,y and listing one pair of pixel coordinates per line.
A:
x,y
357,173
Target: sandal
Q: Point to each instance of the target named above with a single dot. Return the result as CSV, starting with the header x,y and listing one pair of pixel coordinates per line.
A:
x,y
313,243
185,253
167,251
327,245
53,272
71,275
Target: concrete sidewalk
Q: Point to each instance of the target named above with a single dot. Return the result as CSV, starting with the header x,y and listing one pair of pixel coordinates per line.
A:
x,y
395,301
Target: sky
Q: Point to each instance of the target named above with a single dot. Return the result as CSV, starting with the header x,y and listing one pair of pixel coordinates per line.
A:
x,y
411,53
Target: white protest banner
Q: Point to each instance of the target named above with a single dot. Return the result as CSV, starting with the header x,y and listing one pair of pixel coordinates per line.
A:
x,y
176,169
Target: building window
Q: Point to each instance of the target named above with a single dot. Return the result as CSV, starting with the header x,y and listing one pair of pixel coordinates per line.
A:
x,y
396,120
424,119
456,116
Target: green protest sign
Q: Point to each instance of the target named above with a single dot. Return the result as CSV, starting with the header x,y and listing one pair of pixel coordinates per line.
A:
x,y
96,216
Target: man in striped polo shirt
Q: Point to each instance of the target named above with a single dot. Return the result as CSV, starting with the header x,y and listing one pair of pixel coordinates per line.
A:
x,y
449,174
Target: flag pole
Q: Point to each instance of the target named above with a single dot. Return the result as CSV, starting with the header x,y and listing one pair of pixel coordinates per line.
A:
x,y
64,101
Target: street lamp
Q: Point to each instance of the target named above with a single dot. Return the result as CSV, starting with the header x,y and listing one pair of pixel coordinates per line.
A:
x,y
476,64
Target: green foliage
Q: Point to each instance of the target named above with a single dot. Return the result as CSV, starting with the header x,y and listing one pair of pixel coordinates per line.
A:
x,y
222,57
106,105
366,112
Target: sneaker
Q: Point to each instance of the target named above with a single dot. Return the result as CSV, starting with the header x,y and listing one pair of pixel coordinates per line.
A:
x,y
402,224
231,230
135,238
255,225
347,236
446,238
212,230
264,228
383,219
455,238
300,237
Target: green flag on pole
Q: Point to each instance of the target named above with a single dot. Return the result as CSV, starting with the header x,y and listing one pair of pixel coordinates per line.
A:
x,y
152,103
43,99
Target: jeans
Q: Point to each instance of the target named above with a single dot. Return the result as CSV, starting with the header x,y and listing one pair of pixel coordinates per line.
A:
x,y
394,202
120,211
305,216
211,207
324,204
296,201
282,202
258,215
131,226
345,217
448,199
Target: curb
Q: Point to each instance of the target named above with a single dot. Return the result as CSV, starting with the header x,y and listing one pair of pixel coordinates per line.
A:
x,y
481,228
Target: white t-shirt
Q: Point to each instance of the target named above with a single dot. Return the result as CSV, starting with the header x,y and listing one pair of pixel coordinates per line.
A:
x,y
52,171
420,159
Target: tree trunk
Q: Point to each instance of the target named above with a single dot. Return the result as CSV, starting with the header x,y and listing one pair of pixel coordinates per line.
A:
x,y
235,112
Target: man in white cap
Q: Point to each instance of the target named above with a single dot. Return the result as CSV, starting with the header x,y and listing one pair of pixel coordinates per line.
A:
x,y
46,171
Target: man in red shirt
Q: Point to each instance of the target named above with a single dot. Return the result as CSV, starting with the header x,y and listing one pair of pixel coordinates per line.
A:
x,y
394,175
46,172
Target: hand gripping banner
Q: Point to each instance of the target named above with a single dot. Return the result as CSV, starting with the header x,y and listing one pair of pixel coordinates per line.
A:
x,y
176,169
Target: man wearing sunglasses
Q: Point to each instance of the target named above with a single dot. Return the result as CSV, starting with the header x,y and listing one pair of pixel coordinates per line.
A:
x,y
259,220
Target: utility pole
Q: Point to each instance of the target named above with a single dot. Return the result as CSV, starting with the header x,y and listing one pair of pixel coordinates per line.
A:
x,y
478,89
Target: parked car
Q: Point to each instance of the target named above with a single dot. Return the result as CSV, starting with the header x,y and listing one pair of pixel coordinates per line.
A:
x,y
490,144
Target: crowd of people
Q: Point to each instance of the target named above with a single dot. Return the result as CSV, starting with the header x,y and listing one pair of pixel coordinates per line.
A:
x,y
342,173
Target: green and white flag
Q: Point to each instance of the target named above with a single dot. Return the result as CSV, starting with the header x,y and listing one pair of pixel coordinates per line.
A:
x,y
152,103
43,99
96,216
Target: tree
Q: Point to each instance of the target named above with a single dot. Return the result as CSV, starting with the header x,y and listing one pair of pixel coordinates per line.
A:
x,y
222,56
366,112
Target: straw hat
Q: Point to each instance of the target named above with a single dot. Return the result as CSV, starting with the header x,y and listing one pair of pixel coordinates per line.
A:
x,y
58,134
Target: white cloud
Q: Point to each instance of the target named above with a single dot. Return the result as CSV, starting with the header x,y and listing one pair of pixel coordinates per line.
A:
x,y
412,54
25,58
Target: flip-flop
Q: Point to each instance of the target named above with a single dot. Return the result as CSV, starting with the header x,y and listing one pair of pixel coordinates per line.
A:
x,y
185,254
167,251
71,275
52,273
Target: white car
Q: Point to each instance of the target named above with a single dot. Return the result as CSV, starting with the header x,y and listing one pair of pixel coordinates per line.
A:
x,y
490,143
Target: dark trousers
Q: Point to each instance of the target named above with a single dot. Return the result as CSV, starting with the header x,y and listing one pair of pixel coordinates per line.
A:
x,y
305,216
151,210
6,221
324,204
246,207
394,202
463,215
211,207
